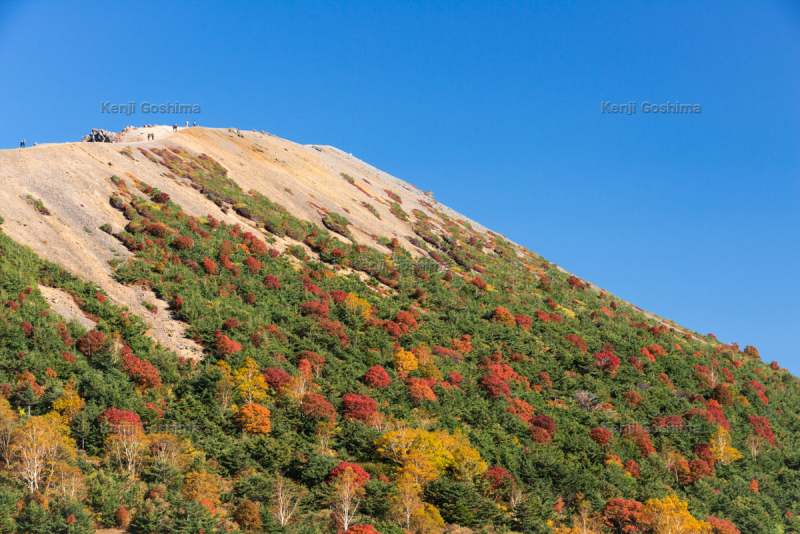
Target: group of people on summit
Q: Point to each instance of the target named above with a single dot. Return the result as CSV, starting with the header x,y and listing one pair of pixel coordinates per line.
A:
x,y
150,136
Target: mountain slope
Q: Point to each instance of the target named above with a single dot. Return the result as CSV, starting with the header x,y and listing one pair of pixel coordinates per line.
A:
x,y
339,334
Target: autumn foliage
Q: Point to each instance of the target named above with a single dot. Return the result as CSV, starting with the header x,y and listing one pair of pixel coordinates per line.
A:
x,y
254,419
358,407
377,377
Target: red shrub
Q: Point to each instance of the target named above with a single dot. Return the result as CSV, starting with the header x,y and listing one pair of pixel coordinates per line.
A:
x,y
540,435
494,386
276,378
404,318
68,357
318,308
315,405
377,377
498,478
524,321
455,378
521,409
226,346
761,428
477,282
256,246
338,296
27,329
358,407
657,350
463,345
272,282
624,517
304,368
664,378
544,422
231,324
575,282
544,379
156,230
140,371
576,341
633,468
334,329
600,435
393,329
183,242
209,266
703,451
365,528
543,316
116,418
91,343
420,390
721,526
606,361
252,264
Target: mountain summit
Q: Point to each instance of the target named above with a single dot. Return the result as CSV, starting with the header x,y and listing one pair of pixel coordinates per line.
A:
x,y
217,329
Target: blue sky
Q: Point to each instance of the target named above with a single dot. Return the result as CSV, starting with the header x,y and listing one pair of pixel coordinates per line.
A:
x,y
496,108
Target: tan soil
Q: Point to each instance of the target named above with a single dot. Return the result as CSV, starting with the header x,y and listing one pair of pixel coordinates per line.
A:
x,y
73,182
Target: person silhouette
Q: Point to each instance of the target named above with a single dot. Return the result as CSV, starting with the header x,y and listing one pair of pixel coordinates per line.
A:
x,y
22,144
174,127
194,123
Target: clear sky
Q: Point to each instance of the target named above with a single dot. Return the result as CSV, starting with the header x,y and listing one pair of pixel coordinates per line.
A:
x,y
496,108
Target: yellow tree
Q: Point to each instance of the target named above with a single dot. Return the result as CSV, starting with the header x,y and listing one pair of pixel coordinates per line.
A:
x,y
325,433
405,361
250,383
168,451
357,308
225,387
406,500
9,419
425,455
427,520
347,494
69,403
37,447
126,446
670,515
721,447
199,485
584,521
467,461
68,482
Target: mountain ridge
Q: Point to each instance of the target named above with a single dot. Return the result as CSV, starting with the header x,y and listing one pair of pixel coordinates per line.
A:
x,y
225,330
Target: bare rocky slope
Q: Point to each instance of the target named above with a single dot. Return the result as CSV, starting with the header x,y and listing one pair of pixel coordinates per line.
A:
x,y
73,183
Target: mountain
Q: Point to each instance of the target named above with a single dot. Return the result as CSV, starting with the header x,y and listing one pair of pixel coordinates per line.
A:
x,y
220,330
